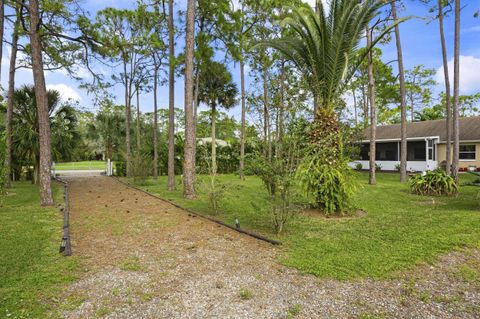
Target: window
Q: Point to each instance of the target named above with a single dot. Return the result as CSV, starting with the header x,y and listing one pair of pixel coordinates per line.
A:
x,y
467,152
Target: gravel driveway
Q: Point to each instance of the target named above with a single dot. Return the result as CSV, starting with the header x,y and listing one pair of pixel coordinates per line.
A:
x,y
144,258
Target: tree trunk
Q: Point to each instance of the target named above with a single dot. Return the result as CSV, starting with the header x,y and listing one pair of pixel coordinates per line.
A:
x,y
138,120
365,107
190,142
403,106
355,107
127,120
2,31
11,90
171,101
456,92
266,115
448,100
243,124
373,113
155,124
281,115
46,197
214,142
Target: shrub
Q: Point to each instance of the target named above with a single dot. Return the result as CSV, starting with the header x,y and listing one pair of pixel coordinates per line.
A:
x,y
433,183
120,168
397,167
358,166
378,167
141,167
323,172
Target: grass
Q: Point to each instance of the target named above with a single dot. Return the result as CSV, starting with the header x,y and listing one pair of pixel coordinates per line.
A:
x,y
81,166
245,294
399,231
33,272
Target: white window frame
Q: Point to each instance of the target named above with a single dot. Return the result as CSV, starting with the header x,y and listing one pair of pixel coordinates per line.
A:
x,y
469,152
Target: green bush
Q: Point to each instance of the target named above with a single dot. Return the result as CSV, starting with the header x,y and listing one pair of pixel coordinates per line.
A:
x,y
358,166
324,173
120,168
433,183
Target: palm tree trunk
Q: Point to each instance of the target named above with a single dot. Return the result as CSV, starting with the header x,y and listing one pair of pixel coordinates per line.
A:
x,y
138,119
11,90
403,106
373,113
214,142
46,197
171,101
190,142
243,124
448,100
155,124
456,92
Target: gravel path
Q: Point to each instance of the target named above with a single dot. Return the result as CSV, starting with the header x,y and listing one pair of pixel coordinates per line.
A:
x,y
144,258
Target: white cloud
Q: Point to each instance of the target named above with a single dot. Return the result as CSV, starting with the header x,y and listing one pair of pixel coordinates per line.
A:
x,y
469,74
471,29
66,91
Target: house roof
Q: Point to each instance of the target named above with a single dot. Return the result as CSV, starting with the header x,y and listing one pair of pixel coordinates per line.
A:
x,y
469,130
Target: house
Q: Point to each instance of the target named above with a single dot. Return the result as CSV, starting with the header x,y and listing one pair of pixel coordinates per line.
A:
x,y
426,145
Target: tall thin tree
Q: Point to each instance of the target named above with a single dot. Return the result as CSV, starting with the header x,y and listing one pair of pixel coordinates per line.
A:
x,y
2,26
171,100
372,179
448,100
456,92
403,104
11,91
190,140
46,197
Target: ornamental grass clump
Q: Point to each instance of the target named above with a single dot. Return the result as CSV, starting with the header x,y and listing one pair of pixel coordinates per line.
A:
x,y
433,183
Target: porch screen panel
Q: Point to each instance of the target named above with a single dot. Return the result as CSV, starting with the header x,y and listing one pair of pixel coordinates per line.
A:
x,y
387,151
416,151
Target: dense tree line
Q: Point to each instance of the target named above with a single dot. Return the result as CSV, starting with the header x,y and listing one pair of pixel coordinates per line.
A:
x,y
311,78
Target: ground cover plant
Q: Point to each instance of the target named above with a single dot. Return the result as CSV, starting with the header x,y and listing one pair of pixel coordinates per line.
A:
x,y
32,270
399,231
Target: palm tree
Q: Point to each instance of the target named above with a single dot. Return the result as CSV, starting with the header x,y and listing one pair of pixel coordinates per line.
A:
x,y
216,89
323,47
63,124
109,128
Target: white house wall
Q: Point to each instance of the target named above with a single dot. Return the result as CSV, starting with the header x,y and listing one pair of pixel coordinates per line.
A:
x,y
390,165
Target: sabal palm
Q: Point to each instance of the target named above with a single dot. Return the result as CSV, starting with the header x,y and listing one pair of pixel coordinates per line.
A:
x,y
63,123
109,128
323,46
216,89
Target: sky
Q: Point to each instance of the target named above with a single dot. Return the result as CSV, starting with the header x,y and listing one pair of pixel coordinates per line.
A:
x,y
420,44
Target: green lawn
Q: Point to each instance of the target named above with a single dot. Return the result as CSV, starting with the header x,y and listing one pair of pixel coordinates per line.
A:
x,y
81,166
32,271
399,231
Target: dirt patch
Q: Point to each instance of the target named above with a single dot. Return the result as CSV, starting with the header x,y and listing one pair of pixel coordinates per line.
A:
x,y
144,258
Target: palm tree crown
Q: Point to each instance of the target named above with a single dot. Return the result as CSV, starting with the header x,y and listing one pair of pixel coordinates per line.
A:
x,y
323,46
